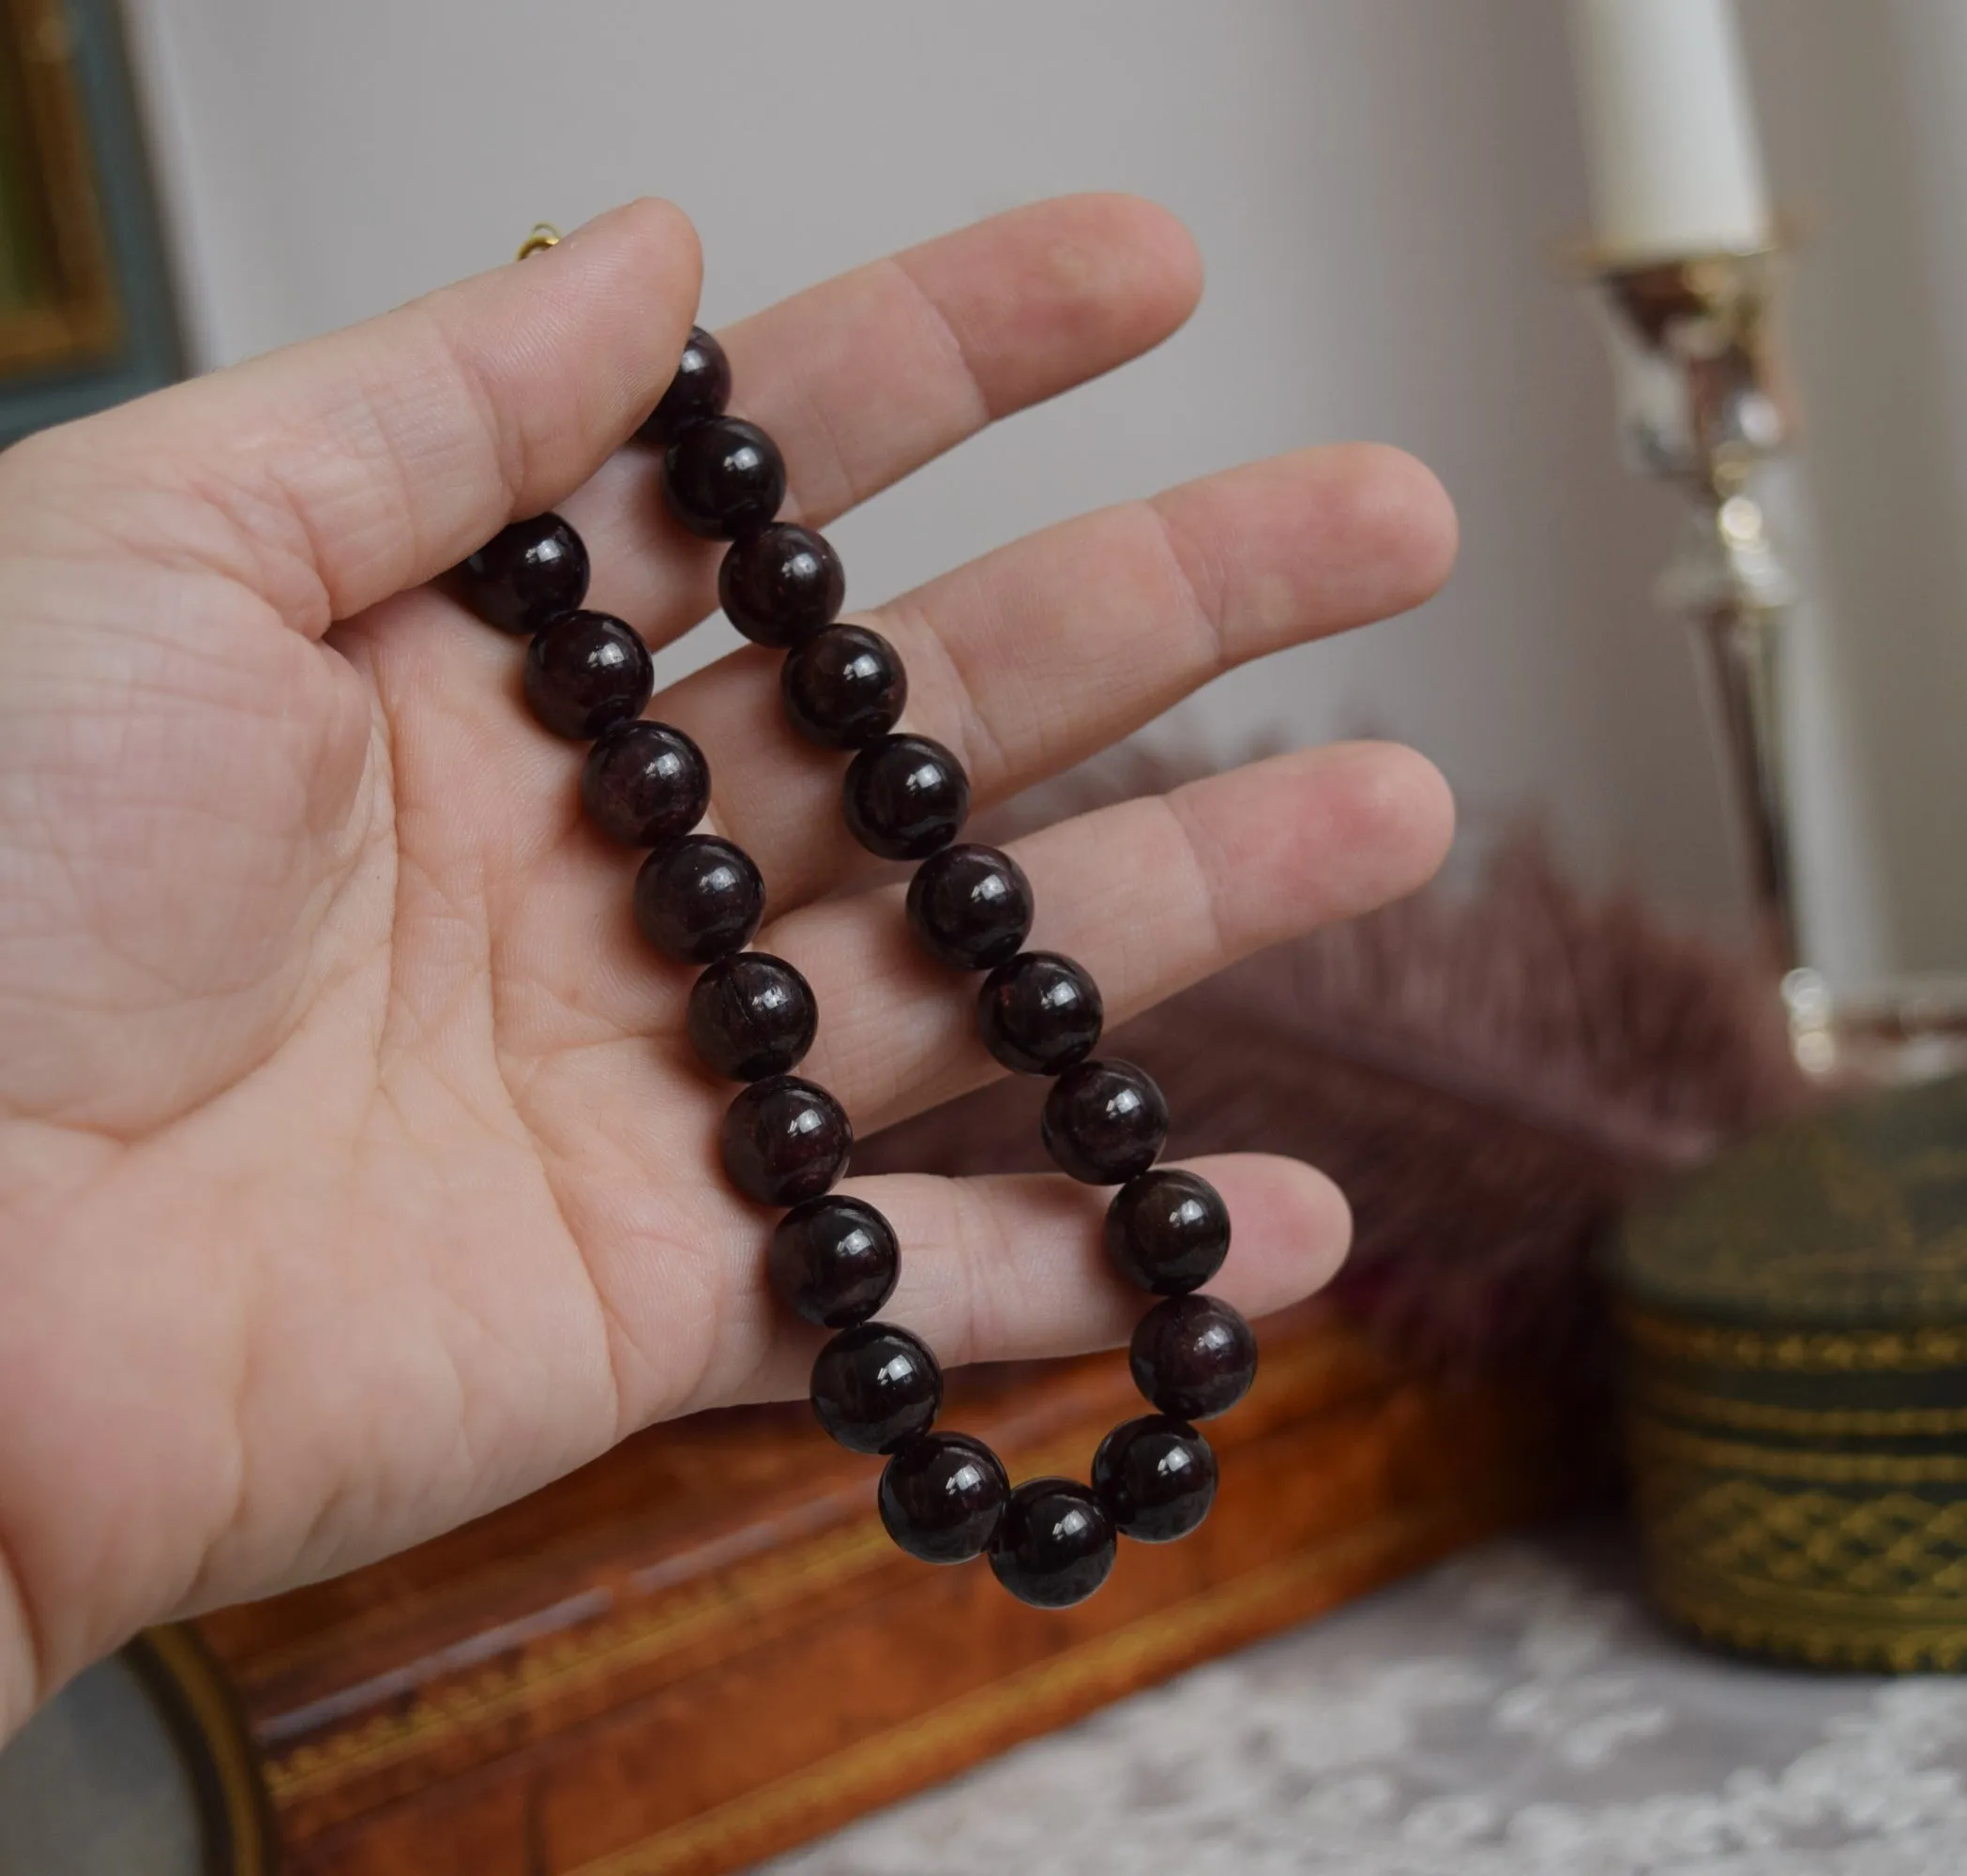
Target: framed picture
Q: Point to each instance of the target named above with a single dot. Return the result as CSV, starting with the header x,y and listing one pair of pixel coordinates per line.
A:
x,y
85,316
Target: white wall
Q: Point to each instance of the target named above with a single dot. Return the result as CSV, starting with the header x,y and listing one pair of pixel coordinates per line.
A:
x,y
1376,186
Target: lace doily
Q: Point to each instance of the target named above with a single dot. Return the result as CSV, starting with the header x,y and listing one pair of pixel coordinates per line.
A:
x,y
1514,1713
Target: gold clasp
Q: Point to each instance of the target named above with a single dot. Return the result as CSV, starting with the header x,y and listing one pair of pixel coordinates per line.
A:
x,y
544,236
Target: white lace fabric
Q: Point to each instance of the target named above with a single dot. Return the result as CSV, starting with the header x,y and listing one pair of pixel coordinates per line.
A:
x,y
1514,1713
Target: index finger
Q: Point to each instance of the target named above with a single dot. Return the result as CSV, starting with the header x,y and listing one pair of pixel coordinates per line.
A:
x,y
865,377
335,473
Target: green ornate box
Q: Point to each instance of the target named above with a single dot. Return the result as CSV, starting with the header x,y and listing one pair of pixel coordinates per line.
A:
x,y
1795,1321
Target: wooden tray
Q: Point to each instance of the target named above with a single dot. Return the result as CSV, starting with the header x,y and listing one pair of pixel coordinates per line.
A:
x,y
702,1649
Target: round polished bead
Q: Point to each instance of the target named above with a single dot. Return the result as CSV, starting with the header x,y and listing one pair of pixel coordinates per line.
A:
x,y
751,1015
1040,1013
905,796
699,898
1193,1356
644,783
833,1261
1104,1122
723,477
1168,1231
785,1140
942,1497
970,907
526,574
781,584
1156,1478
700,390
844,688
875,1388
587,672
1055,1543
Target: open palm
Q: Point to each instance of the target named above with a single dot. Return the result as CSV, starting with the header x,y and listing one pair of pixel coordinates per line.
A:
x,y
354,1175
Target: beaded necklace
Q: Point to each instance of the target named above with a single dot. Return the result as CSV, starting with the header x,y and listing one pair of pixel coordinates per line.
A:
x,y
833,1259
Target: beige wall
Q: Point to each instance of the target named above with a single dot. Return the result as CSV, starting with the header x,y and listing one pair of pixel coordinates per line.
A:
x,y
1375,185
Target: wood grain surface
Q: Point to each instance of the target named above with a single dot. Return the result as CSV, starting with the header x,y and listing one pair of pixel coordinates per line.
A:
x,y
702,1649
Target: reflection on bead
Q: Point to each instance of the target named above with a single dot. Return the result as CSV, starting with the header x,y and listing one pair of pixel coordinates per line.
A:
x,y
586,672
781,584
724,479
1104,1122
1156,1478
1168,1231
905,796
526,574
875,1388
785,1140
834,1260
942,1497
1040,1013
970,907
699,898
751,1015
1055,1543
700,390
1193,1356
843,687
644,783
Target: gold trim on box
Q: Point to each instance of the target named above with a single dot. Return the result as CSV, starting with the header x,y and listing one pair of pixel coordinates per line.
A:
x,y
1796,1351
80,318
375,1740
204,1711
1833,1577
1762,1625
906,1756
751,1593
1828,1423
1840,1552
1653,1439
380,1739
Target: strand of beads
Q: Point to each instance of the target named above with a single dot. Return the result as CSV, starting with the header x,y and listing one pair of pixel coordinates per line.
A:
x,y
906,797
785,1142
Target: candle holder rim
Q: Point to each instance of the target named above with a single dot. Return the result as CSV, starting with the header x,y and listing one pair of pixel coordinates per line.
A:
x,y
1585,259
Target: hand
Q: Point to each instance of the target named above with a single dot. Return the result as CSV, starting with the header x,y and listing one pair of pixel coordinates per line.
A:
x,y
354,1175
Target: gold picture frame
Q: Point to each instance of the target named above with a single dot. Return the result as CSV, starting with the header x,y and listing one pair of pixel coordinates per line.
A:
x,y
59,305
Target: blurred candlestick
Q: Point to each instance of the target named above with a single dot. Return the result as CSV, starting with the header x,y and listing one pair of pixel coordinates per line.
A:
x,y
1669,129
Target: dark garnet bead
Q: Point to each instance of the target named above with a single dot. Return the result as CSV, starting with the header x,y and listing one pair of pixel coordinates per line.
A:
x,y
724,478
785,1140
1040,1013
1104,1122
834,1260
644,783
876,1387
1193,1356
587,672
1168,1231
844,688
700,390
781,584
1055,1544
699,898
1157,1478
942,1497
526,574
970,907
751,1015
905,796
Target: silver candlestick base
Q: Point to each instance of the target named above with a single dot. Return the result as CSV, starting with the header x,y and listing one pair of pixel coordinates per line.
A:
x,y
1701,405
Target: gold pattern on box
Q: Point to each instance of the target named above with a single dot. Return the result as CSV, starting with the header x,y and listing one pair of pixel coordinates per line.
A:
x,y
1795,1319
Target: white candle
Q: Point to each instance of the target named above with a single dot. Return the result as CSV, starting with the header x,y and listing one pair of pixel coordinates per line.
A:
x,y
1669,129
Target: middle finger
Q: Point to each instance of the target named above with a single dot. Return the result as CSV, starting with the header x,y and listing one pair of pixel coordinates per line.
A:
x,y
1036,655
